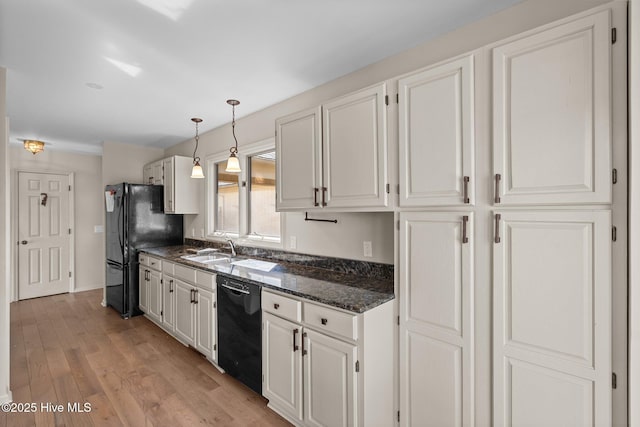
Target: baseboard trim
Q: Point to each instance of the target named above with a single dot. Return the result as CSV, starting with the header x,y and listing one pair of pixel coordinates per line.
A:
x,y
6,398
88,288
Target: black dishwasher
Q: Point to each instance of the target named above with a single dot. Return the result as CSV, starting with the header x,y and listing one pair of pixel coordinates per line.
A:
x,y
240,331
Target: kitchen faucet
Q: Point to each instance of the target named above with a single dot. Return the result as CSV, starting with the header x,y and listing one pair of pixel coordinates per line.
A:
x,y
233,248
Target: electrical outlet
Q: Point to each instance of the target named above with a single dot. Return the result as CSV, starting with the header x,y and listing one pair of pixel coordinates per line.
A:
x,y
368,249
293,242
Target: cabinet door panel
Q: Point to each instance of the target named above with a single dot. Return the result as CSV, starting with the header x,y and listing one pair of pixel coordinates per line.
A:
x,y
355,149
154,296
143,301
552,107
552,316
169,186
204,320
436,318
281,364
329,381
185,324
169,302
298,159
437,135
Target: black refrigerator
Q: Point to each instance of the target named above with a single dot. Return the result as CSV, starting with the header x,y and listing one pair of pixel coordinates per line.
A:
x,y
134,220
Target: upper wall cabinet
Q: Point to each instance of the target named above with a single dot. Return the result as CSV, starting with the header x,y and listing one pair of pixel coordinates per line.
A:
x,y
436,130
552,115
180,190
334,156
152,173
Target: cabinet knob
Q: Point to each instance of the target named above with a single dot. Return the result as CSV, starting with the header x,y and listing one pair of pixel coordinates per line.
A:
x,y
323,321
276,306
24,242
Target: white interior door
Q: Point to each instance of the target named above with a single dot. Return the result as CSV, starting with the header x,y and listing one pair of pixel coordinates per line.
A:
x,y
436,319
552,319
44,234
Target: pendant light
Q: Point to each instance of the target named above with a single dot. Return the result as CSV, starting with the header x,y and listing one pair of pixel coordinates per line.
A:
x,y
196,172
233,165
33,146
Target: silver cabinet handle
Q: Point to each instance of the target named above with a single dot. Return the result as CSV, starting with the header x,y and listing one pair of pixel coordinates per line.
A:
x,y
324,193
295,346
315,196
497,189
242,291
304,335
465,189
323,321
496,238
465,219
276,306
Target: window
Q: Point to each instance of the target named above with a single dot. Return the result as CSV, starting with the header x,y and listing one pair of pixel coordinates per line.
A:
x,y
227,218
243,205
263,218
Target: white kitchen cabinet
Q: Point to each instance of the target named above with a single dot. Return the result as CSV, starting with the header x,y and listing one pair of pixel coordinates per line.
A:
x,y
168,297
182,194
152,173
436,131
330,397
436,318
154,296
552,115
150,287
185,329
282,364
337,160
205,323
552,318
325,366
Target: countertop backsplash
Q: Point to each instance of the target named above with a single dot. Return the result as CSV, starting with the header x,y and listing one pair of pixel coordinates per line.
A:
x,y
339,265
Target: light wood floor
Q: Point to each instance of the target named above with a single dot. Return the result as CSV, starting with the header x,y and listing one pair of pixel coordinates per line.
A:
x,y
68,348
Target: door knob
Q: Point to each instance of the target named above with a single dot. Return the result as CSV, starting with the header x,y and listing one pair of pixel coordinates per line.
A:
x,y
24,242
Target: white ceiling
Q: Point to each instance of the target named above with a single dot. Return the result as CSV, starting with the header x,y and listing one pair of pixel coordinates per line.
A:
x,y
160,62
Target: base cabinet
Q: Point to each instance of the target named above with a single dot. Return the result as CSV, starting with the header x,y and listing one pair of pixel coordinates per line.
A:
x,y
185,313
150,287
169,303
205,321
313,360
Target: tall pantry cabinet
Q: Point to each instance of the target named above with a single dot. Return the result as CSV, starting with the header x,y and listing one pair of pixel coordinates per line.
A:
x,y
544,209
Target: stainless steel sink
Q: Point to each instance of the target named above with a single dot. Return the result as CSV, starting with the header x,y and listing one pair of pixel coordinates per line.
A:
x,y
207,259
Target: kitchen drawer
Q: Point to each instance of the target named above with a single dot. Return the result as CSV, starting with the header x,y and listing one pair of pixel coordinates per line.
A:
x,y
282,306
168,268
185,273
155,263
205,280
143,259
327,319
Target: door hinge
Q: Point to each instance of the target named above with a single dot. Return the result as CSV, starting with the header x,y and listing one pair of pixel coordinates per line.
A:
x,y
161,312
357,366
398,225
69,188
214,304
69,231
397,188
614,233
614,35
69,274
161,282
276,132
614,380
386,100
398,320
398,416
388,188
397,98
215,346
614,176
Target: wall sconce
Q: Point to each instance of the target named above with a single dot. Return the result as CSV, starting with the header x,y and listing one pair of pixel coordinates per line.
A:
x,y
33,146
233,165
196,172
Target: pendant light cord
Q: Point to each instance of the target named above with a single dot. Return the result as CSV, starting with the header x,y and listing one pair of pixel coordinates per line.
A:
x,y
234,150
196,159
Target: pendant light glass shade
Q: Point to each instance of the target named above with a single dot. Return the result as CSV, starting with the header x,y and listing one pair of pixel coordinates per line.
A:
x,y
196,171
233,165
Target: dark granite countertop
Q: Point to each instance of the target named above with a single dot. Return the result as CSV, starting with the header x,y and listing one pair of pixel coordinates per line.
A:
x,y
347,291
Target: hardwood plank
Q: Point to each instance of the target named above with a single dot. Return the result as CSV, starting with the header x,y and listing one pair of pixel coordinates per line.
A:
x,y
68,348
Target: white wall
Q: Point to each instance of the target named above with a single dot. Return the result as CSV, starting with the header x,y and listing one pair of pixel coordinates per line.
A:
x,y
87,190
5,393
124,162
345,238
634,212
